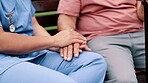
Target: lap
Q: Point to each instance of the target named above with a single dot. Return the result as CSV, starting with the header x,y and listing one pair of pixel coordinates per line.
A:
x,y
27,72
77,68
118,53
42,69
118,60
125,48
54,61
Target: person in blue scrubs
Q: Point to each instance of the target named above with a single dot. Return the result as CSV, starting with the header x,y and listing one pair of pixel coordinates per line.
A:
x,y
25,55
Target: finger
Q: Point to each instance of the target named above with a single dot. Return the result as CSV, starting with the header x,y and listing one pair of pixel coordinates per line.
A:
x,y
65,53
77,38
82,46
78,35
74,37
69,52
84,42
77,41
85,47
76,49
80,50
61,52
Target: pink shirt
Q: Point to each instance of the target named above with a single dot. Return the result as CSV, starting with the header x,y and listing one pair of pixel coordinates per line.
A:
x,y
102,17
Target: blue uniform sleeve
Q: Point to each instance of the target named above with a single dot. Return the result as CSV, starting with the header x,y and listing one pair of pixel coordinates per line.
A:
x,y
32,10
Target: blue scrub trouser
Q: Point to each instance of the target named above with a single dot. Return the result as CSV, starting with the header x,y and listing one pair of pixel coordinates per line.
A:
x,y
89,67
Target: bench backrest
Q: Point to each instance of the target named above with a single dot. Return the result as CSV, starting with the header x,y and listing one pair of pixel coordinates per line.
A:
x,y
46,14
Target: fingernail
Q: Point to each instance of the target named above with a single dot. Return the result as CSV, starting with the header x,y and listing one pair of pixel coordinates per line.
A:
x,y
65,58
68,59
62,55
76,55
80,50
71,29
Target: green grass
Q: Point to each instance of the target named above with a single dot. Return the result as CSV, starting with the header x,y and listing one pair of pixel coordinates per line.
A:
x,y
47,13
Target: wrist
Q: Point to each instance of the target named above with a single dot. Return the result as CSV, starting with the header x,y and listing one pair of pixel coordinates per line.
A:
x,y
71,29
54,41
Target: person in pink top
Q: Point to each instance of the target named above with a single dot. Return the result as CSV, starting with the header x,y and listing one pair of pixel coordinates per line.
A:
x,y
113,28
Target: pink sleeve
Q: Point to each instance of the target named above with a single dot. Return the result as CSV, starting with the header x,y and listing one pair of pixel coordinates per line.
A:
x,y
69,7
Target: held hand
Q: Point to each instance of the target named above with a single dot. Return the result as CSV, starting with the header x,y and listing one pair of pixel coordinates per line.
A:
x,y
72,50
69,51
79,47
67,37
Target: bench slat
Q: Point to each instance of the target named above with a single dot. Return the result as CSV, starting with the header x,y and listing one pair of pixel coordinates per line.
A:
x,y
43,6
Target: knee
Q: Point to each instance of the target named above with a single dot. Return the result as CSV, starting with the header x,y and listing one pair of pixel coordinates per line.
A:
x,y
93,58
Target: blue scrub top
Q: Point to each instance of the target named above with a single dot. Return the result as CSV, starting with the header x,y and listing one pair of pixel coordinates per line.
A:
x,y
22,19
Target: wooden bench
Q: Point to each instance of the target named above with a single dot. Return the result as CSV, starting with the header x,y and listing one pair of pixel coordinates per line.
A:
x,y
47,17
46,14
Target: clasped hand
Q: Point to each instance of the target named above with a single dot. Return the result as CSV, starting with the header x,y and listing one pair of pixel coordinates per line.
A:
x,y
73,50
69,43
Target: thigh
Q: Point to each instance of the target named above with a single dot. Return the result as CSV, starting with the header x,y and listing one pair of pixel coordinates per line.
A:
x,y
116,51
50,60
120,66
26,72
54,61
139,49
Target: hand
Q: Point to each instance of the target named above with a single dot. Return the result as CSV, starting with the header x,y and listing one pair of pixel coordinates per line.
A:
x,y
67,37
69,51
73,50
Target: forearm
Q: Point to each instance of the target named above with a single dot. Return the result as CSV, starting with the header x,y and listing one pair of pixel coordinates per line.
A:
x,y
140,10
11,43
66,22
39,30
